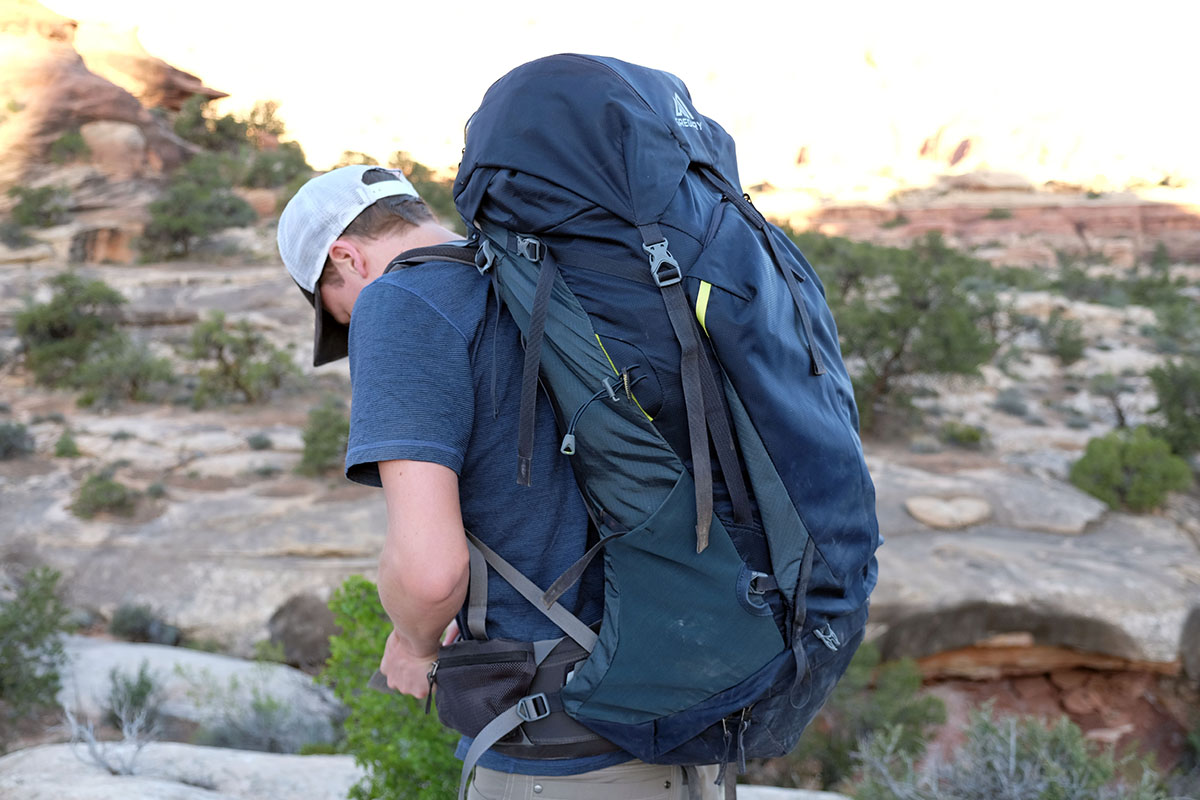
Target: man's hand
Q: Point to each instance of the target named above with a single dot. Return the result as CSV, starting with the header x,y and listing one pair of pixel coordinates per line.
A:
x,y
407,673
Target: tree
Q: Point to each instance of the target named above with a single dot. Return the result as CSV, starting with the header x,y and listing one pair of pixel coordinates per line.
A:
x,y
1178,386
198,201
58,335
924,310
436,192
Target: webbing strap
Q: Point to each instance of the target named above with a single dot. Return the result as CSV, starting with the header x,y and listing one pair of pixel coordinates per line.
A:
x,y
570,624
692,776
477,595
574,572
461,254
759,221
719,427
533,360
799,613
494,731
730,787
680,314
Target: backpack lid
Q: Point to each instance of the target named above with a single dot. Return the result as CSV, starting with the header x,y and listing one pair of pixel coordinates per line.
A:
x,y
619,135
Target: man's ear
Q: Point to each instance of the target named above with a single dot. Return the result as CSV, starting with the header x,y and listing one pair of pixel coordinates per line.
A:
x,y
345,254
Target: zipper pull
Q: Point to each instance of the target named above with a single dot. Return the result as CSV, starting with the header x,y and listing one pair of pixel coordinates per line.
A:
x,y
432,678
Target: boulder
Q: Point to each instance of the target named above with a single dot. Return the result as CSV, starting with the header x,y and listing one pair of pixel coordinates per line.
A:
x,y
953,512
168,771
303,625
201,688
117,55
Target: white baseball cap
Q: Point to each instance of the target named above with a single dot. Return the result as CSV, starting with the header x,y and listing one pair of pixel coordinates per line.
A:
x,y
313,220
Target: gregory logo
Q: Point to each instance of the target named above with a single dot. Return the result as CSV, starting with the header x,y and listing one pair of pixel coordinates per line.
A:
x,y
683,117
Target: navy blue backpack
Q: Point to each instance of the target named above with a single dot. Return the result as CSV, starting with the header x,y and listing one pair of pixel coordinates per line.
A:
x,y
694,367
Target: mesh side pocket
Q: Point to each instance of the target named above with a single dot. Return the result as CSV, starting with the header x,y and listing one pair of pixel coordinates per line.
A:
x,y
478,680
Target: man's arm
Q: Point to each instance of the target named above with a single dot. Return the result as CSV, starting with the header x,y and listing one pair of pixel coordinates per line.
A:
x,y
423,569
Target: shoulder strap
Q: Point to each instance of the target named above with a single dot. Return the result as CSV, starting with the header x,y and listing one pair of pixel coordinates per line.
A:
x,y
458,253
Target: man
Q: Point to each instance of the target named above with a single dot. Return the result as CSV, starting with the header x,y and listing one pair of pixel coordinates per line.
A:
x,y
435,368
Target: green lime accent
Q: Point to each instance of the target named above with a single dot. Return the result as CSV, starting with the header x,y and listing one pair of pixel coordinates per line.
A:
x,y
702,303
618,373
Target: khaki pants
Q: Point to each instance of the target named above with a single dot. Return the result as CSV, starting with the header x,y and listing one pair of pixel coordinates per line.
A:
x,y
633,780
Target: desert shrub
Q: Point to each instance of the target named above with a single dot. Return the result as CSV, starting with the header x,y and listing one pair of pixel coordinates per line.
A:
x,y
963,435
13,235
258,441
68,147
325,438
136,622
31,650
1063,337
15,440
872,696
119,369
1012,402
270,652
273,168
1177,384
1111,387
1177,326
245,366
66,447
1006,758
436,192
1130,469
895,222
999,213
40,207
404,752
198,201
134,700
243,714
198,124
350,158
101,492
901,312
59,335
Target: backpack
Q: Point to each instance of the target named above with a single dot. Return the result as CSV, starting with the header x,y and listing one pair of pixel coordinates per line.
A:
x,y
695,372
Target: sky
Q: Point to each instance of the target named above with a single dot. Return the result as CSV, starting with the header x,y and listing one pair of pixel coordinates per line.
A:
x,y
1073,86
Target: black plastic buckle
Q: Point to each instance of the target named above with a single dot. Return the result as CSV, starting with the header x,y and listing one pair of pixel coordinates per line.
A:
x,y
664,269
530,248
533,707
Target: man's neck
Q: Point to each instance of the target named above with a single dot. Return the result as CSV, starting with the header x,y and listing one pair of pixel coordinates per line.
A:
x,y
426,234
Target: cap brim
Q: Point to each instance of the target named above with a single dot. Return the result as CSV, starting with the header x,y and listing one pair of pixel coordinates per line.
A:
x,y
330,338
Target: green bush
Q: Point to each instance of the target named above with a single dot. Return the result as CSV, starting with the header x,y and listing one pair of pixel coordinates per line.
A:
x,y
15,440
101,492
405,753
1178,387
31,650
196,123
901,312
198,201
68,147
351,158
436,192
245,366
58,335
273,168
1064,337
13,235
134,698
66,447
1011,402
243,714
325,439
42,207
1130,469
139,623
259,441
963,435
1006,758
872,696
122,370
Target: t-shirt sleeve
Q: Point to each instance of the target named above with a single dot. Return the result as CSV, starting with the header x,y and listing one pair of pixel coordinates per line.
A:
x,y
413,389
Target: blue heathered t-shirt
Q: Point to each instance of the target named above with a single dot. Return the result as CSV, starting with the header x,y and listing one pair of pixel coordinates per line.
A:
x,y
424,342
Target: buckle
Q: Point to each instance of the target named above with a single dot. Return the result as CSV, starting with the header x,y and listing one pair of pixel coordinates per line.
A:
x,y
664,269
484,257
530,248
533,707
